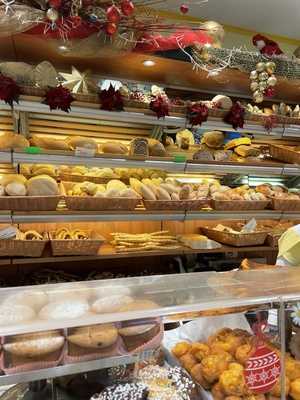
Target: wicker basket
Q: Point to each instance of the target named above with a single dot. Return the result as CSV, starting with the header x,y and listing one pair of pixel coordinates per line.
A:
x,y
76,247
133,104
23,248
285,205
285,153
272,239
86,98
217,112
233,239
32,91
182,205
90,203
29,203
239,205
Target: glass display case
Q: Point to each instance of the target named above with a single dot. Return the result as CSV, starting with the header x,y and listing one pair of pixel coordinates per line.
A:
x,y
233,333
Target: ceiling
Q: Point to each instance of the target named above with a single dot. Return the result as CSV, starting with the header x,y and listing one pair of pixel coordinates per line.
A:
x,y
278,17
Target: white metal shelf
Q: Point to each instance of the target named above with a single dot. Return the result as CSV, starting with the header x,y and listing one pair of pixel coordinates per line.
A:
x,y
238,168
6,157
69,369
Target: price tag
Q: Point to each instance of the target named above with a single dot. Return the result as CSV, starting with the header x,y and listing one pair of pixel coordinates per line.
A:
x,y
33,150
179,158
84,152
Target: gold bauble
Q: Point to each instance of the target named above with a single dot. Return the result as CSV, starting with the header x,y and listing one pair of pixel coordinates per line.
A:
x,y
260,67
253,86
263,76
258,96
272,80
253,75
52,14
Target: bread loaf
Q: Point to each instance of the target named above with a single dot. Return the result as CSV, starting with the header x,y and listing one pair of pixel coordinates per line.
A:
x,y
13,141
15,189
139,147
35,299
221,101
11,314
185,192
114,148
156,149
42,185
130,194
49,143
94,337
147,193
162,194
35,344
64,309
110,303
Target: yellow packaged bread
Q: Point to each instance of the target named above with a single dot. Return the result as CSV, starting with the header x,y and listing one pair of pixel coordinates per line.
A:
x,y
116,184
42,185
237,142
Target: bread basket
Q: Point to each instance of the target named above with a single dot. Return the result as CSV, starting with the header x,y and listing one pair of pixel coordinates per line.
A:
x,y
29,203
181,205
235,239
285,204
239,205
285,153
91,203
23,248
76,247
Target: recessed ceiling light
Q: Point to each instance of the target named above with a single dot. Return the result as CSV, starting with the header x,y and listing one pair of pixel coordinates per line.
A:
x,y
148,63
63,48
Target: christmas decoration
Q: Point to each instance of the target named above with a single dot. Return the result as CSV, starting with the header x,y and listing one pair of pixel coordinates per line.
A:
x,y
160,106
270,122
113,14
266,46
262,369
59,98
262,81
111,28
197,113
184,8
55,3
20,20
79,82
111,99
9,90
127,7
235,116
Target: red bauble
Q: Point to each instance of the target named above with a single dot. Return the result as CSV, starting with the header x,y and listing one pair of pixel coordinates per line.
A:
x,y
262,369
184,8
113,14
59,98
235,116
270,92
110,28
111,99
197,113
160,106
9,90
55,3
127,7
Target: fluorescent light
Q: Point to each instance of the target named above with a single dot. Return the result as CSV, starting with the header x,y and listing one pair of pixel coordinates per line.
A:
x,y
149,63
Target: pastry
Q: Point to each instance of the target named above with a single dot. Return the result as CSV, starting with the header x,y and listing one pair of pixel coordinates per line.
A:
x,y
116,184
295,389
217,392
111,303
42,185
232,382
226,340
15,189
139,147
200,350
135,336
292,368
34,345
188,361
12,314
64,309
196,374
213,366
181,348
126,391
35,299
94,337
114,148
276,390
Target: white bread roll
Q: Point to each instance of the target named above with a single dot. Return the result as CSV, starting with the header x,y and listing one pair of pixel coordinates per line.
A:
x,y
35,344
147,193
75,291
15,189
94,337
110,303
61,310
31,298
13,314
106,291
42,185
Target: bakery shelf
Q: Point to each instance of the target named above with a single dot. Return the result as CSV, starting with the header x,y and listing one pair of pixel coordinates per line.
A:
x,y
5,217
235,215
6,157
69,369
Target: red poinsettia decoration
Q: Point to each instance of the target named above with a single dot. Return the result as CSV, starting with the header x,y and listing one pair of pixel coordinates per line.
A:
x,y
235,116
59,98
270,122
160,106
197,113
111,99
9,90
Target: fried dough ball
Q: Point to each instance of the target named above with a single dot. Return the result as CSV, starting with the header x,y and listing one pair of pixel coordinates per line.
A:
x,y
213,366
244,352
236,366
200,350
232,382
295,389
181,348
276,390
227,340
292,368
196,373
217,392
233,398
221,353
255,397
187,361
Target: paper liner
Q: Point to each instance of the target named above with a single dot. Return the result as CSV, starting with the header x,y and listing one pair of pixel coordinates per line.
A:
x,y
12,364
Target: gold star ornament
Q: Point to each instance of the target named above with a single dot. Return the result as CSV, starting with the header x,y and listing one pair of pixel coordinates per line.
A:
x,y
79,82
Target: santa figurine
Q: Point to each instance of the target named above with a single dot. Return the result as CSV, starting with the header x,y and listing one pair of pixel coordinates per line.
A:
x,y
266,46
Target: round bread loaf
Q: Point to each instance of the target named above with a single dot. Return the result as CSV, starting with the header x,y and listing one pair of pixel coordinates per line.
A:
x,y
111,303
68,309
94,337
35,344
31,298
42,185
11,314
111,291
